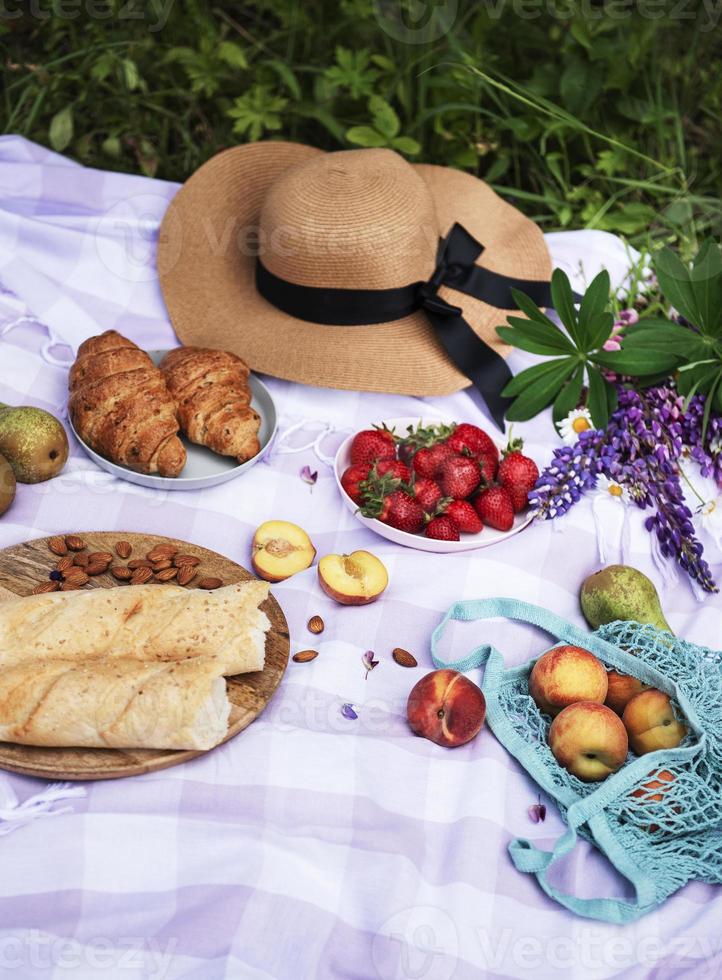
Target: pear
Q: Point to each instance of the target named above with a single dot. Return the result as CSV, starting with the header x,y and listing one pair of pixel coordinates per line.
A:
x,y
33,442
7,485
621,592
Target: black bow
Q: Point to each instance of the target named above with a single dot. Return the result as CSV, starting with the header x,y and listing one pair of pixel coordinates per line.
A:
x,y
455,267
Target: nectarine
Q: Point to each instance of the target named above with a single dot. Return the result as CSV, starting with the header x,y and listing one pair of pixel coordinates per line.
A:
x,y
654,792
564,675
621,689
589,740
651,723
353,580
279,550
446,707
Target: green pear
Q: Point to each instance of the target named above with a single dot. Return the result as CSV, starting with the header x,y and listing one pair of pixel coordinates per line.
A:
x,y
621,592
33,442
7,485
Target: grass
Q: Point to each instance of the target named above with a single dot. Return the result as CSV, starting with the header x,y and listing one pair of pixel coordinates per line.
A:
x,y
611,122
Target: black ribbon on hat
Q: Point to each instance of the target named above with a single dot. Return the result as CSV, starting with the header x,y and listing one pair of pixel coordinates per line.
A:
x,y
455,267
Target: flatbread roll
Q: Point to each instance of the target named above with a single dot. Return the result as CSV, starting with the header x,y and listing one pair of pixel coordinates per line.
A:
x,y
119,704
150,623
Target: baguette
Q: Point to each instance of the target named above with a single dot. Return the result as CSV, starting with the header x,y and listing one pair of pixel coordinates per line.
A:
x,y
148,623
118,704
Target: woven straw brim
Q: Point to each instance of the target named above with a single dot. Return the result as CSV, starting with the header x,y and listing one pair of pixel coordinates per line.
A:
x,y
209,284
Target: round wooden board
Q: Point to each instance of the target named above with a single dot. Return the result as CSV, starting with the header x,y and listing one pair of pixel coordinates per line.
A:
x,y
23,566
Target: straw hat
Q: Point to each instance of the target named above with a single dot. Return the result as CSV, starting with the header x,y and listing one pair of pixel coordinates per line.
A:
x,y
325,268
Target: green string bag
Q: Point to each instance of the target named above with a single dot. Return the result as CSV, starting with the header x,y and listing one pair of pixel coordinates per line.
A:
x,y
659,837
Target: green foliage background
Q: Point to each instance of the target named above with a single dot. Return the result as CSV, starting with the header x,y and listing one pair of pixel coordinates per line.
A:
x,y
588,113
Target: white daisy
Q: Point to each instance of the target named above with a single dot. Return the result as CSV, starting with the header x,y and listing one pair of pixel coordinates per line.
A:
x,y
708,516
611,489
576,422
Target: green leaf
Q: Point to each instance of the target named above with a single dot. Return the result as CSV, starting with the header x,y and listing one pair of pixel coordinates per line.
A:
x,y
597,398
549,335
527,305
675,281
537,396
61,129
707,287
598,329
232,54
130,74
406,145
595,299
569,395
524,342
365,136
384,117
287,76
529,376
681,341
564,306
635,361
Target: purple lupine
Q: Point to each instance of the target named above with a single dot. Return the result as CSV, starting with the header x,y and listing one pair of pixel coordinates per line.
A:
x,y
640,449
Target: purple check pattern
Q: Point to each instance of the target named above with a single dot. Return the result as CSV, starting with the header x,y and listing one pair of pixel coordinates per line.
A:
x,y
313,845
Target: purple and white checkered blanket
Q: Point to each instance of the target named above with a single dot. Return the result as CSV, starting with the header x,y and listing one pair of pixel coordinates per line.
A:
x,y
313,845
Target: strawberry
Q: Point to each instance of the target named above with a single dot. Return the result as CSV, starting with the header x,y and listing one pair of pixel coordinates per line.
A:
x,y
459,477
422,438
517,473
401,511
395,468
463,514
428,494
470,440
442,529
428,462
372,444
351,481
495,508
489,463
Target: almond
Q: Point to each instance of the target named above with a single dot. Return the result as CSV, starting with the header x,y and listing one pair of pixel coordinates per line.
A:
x,y
141,575
316,624
210,583
304,656
162,565
186,573
123,549
96,568
42,587
74,543
58,546
81,560
65,562
166,574
186,560
75,575
121,573
139,563
161,551
71,584
403,658
100,557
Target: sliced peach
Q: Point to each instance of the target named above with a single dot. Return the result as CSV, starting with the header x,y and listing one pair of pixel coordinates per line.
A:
x,y
353,580
279,550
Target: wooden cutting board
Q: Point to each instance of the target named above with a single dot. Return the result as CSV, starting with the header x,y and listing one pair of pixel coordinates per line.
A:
x,y
23,566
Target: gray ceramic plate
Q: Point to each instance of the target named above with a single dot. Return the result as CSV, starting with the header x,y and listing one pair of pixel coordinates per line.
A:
x,y
203,468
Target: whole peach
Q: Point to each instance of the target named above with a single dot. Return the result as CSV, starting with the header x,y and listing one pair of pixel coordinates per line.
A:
x,y
651,723
564,675
446,707
589,740
621,689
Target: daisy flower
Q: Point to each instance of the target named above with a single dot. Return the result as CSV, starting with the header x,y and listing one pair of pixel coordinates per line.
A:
x,y
610,488
576,422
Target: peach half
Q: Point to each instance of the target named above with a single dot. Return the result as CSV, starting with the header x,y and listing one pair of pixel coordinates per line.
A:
x,y
353,580
589,740
651,722
279,550
564,675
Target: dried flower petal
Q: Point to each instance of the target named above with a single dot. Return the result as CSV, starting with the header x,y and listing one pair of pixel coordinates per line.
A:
x,y
347,710
307,476
537,812
369,662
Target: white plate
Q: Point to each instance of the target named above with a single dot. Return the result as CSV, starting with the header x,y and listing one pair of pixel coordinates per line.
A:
x,y
468,542
203,468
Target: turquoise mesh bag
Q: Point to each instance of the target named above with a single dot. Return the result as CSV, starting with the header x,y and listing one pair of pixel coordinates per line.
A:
x,y
658,837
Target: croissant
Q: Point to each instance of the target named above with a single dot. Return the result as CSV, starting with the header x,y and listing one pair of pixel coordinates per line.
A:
x,y
211,390
121,407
